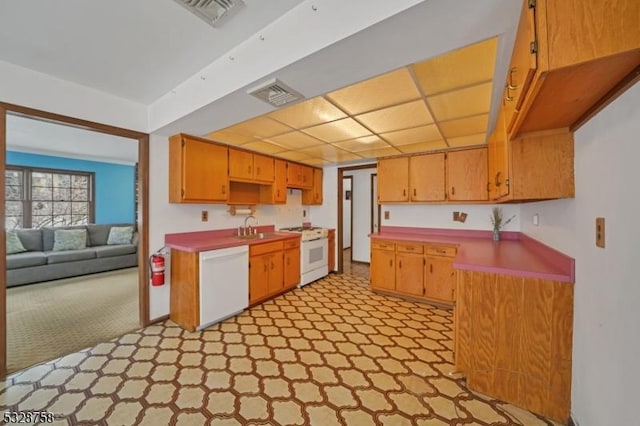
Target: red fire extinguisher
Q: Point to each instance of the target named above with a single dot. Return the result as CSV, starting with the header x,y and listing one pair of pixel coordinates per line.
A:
x,y
156,264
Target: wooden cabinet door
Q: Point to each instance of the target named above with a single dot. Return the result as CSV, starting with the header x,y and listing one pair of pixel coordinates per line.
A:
x,y
393,180
258,277
313,196
439,278
332,250
410,274
426,177
276,272
240,164
498,160
280,182
306,174
263,168
291,267
383,270
467,175
203,171
523,65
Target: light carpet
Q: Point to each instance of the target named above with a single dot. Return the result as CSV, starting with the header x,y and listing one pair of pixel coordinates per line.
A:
x,y
55,318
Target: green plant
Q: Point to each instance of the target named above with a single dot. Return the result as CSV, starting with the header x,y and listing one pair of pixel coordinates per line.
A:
x,y
497,220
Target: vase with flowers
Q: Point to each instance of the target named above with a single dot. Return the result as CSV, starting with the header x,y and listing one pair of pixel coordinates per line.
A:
x,y
498,222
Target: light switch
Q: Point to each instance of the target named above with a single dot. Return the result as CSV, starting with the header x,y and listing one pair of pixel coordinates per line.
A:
x,y
536,219
600,232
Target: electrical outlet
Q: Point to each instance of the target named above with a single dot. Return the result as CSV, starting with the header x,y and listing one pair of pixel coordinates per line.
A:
x,y
386,215
536,219
456,215
600,232
204,216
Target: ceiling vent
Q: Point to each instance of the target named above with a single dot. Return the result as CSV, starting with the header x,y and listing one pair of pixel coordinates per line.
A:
x,y
276,93
212,11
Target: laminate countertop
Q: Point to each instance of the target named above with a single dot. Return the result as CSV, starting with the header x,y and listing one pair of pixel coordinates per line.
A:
x,y
222,238
515,254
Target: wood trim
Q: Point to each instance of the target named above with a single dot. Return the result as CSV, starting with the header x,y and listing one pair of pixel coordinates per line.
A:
x,y
143,180
374,202
350,216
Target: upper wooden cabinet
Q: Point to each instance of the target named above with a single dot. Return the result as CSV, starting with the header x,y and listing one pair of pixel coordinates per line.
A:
x,y
313,196
467,175
498,160
426,177
276,193
568,59
197,170
299,176
393,180
245,165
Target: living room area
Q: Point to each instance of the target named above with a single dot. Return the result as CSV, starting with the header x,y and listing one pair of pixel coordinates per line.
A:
x,y
72,241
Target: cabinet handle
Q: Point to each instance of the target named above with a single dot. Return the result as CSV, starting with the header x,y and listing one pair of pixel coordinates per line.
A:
x,y
510,85
404,192
507,96
488,186
265,267
414,192
453,190
288,261
272,265
390,262
278,192
224,189
431,268
497,179
400,264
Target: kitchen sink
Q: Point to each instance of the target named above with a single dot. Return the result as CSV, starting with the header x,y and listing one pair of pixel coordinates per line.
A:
x,y
258,236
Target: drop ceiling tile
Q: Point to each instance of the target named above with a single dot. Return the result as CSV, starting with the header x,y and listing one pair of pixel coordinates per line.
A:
x,y
479,139
465,126
294,155
463,67
466,102
383,152
295,140
422,147
339,130
316,162
411,114
379,92
412,136
362,144
323,151
260,127
264,147
228,137
308,113
342,156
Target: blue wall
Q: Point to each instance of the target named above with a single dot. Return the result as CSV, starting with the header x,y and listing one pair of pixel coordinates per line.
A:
x,y
114,183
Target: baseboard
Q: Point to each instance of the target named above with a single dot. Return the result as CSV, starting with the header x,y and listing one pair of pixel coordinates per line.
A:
x,y
159,319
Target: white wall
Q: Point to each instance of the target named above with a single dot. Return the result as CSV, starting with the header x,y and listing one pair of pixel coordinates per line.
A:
x,y
166,218
346,214
441,216
606,339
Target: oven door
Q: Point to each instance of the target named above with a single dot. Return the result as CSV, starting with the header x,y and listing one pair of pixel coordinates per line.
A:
x,y
314,254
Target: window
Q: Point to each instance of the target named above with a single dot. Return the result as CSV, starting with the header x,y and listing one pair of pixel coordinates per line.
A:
x,y
47,197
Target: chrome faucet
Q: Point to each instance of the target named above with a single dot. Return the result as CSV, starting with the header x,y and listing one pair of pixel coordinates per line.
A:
x,y
247,229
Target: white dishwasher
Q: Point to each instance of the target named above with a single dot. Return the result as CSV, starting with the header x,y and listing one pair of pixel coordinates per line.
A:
x,y
224,284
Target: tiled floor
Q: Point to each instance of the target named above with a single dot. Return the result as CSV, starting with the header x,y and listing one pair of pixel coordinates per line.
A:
x,y
332,353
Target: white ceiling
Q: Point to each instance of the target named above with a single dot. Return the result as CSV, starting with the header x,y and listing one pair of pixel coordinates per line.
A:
x,y
135,49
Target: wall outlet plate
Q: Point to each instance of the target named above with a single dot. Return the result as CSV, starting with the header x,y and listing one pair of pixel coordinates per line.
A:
x,y
600,232
386,215
204,216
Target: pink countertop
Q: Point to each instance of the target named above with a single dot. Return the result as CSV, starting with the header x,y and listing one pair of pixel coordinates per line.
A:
x,y
516,254
221,238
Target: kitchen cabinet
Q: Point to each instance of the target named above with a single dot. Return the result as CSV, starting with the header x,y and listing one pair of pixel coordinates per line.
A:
x,y
427,177
248,166
567,60
467,175
291,263
513,340
299,176
313,196
498,159
277,192
417,270
393,180
331,250
197,170
383,270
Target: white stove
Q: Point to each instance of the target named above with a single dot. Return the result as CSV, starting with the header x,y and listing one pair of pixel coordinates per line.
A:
x,y
314,256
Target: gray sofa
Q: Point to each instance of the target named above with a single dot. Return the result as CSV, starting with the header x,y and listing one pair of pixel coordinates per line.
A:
x,y
40,263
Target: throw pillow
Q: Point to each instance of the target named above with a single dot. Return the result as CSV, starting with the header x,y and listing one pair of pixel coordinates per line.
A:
x,y
120,235
69,239
14,245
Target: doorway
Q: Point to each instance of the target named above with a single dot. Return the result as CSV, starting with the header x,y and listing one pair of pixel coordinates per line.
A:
x,y
141,219
347,217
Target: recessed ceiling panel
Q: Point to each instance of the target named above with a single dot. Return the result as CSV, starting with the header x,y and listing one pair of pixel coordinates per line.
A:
x,y
260,127
229,137
264,147
316,162
473,100
470,140
366,143
412,114
465,126
421,147
339,130
294,155
309,113
379,92
322,151
295,140
412,136
382,152
463,67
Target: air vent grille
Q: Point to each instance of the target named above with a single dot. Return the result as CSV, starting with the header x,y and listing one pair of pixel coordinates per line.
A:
x,y
276,93
211,11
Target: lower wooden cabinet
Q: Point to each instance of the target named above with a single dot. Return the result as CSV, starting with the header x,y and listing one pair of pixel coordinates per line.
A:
x,y
273,268
413,269
332,249
513,340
